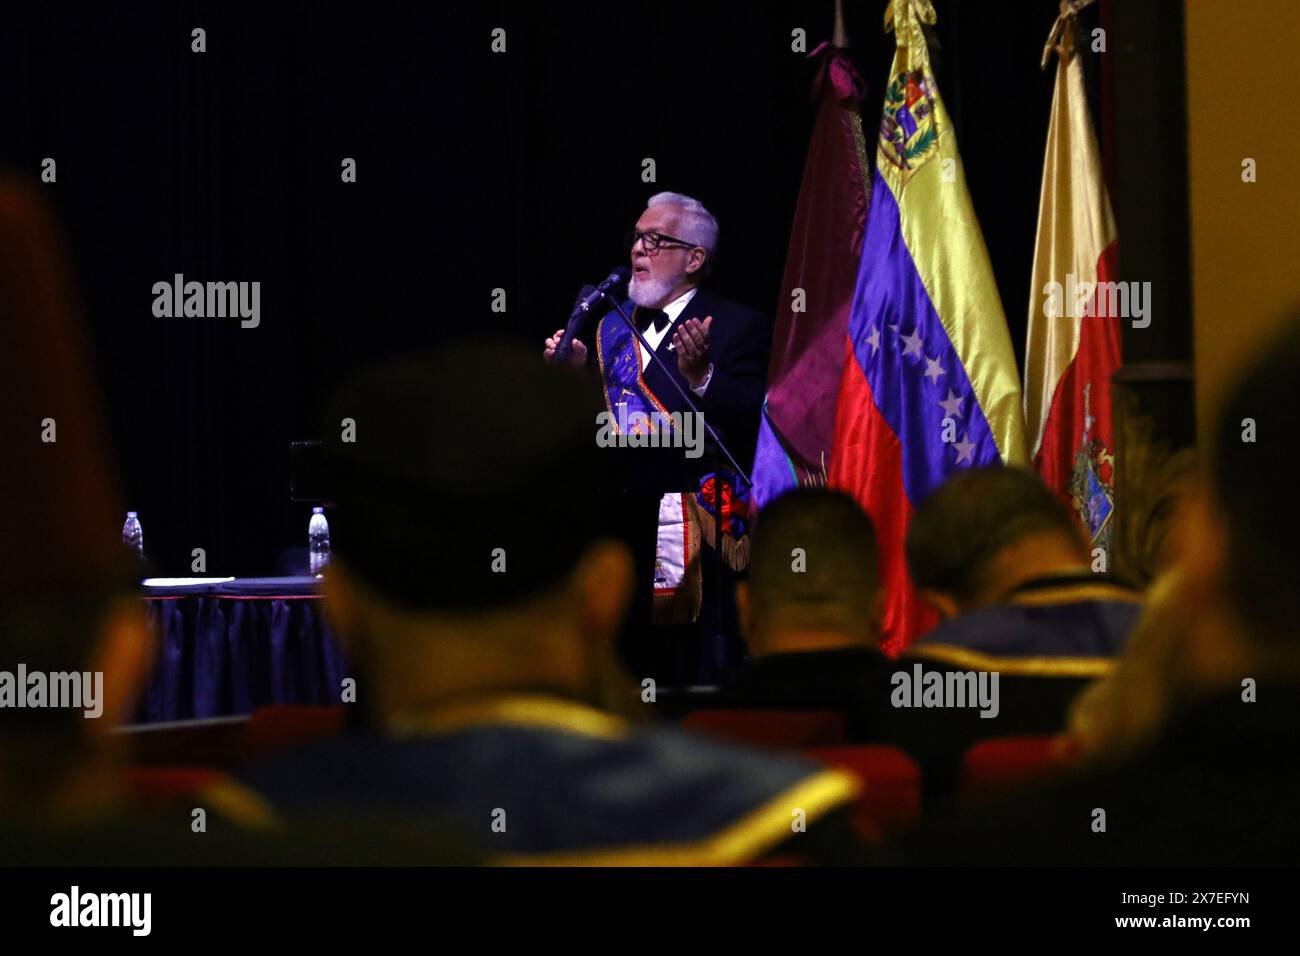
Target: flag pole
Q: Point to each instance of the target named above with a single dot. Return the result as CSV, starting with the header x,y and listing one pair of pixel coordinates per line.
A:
x,y
840,39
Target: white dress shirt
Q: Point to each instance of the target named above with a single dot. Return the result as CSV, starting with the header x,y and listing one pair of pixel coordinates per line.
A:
x,y
656,336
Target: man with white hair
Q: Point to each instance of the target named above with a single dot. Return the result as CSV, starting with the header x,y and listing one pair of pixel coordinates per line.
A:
x,y
719,351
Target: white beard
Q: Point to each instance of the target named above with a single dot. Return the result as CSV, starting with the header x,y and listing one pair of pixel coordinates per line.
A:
x,y
650,293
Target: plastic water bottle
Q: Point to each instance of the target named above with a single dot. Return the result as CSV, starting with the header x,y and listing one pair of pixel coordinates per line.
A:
x,y
133,534
318,541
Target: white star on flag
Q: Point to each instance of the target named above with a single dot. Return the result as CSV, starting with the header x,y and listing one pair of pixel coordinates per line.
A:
x,y
965,449
952,405
933,370
913,344
874,340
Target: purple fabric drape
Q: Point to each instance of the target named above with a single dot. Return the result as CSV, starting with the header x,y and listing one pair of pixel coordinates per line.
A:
x,y
808,346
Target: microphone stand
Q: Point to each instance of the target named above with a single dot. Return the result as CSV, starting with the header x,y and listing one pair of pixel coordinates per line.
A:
x,y
709,649
713,634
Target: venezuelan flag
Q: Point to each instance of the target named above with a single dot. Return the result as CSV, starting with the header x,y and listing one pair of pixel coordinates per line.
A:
x,y
930,383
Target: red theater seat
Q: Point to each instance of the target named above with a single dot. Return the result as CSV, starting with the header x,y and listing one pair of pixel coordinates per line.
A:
x,y
209,742
229,742
778,729
281,726
159,787
1002,763
891,785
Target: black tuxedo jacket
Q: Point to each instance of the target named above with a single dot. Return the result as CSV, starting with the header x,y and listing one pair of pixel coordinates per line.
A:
x,y
740,339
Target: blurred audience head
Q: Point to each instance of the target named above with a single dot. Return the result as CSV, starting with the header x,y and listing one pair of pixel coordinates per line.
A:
x,y
470,553
1239,546
814,576
64,608
984,533
1127,708
1227,607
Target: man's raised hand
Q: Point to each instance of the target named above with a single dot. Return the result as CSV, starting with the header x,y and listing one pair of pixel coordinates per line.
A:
x,y
691,342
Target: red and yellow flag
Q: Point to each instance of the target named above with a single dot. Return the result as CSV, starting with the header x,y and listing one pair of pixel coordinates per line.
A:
x,y
930,386
1073,343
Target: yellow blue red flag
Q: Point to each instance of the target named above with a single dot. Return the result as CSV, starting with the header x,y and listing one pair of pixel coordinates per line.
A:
x,y
930,384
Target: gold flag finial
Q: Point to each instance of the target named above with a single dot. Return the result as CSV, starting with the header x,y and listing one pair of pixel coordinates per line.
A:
x,y
1061,40
905,17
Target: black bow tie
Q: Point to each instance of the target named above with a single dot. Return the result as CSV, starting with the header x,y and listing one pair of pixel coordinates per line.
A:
x,y
648,317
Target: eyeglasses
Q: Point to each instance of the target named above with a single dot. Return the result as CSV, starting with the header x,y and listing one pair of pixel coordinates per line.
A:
x,y
652,242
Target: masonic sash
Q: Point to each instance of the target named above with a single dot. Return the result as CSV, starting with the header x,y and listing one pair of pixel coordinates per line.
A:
x,y
715,509
634,409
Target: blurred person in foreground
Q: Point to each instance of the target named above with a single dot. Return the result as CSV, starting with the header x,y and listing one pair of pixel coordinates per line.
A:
x,y
1127,708
1011,575
1216,785
811,611
479,597
74,648
64,578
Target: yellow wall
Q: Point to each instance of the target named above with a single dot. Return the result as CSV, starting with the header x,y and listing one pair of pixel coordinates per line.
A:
x,y
1243,100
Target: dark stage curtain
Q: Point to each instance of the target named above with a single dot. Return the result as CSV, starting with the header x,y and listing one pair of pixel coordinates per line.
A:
x,y
475,171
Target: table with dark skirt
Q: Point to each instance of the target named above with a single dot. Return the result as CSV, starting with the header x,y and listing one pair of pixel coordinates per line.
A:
x,y
227,647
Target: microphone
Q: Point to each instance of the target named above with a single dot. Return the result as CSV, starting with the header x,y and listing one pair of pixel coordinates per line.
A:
x,y
587,300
